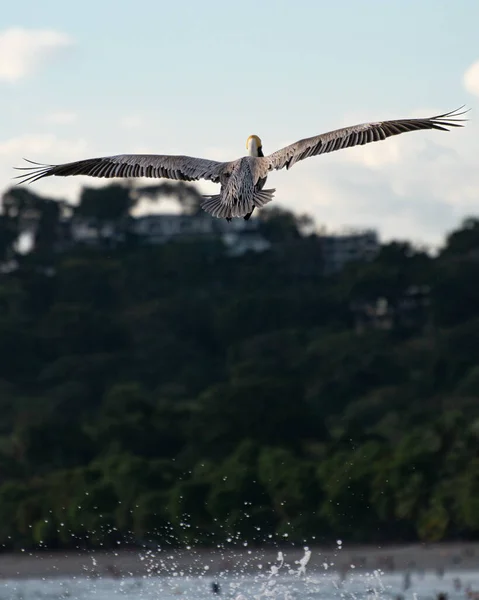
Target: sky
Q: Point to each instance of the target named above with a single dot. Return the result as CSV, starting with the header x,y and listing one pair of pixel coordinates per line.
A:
x,y
98,78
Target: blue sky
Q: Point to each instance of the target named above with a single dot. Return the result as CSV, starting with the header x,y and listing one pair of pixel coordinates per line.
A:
x,y
99,78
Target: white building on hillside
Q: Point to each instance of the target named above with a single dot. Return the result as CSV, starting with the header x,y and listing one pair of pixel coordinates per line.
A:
x,y
348,246
239,236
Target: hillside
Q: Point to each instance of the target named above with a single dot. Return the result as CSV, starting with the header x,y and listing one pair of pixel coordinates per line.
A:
x,y
178,393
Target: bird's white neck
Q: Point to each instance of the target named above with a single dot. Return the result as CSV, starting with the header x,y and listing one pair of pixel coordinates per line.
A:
x,y
253,148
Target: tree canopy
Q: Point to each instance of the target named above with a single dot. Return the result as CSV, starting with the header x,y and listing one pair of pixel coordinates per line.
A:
x,y
178,393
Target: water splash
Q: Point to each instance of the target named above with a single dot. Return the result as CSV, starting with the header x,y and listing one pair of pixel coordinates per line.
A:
x,y
191,573
304,561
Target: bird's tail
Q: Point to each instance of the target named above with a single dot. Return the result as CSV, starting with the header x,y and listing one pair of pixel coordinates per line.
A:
x,y
216,206
262,197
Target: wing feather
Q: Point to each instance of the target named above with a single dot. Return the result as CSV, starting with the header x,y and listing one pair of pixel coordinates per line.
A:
x,y
355,136
180,168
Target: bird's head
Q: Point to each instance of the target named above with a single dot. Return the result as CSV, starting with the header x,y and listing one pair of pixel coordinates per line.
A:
x,y
254,146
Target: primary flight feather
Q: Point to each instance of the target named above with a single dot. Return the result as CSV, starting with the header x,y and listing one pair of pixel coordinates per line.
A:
x,y
242,180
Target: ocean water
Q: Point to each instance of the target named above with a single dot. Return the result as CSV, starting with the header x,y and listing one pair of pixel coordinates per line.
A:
x,y
277,584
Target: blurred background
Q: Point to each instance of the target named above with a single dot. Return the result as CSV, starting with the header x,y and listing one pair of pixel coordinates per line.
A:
x,y
308,375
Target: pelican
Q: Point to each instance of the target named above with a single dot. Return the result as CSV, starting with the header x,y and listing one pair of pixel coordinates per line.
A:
x,y
242,180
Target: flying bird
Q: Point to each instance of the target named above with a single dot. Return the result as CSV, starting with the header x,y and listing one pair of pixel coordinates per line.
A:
x,y
242,180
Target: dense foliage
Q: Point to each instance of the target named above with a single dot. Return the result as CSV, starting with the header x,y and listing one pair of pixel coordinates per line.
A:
x,y
174,392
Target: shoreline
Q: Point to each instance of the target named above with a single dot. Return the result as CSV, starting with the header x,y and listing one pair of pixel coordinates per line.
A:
x,y
445,557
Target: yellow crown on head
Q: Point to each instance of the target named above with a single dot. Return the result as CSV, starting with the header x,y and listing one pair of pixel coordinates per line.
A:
x,y
256,139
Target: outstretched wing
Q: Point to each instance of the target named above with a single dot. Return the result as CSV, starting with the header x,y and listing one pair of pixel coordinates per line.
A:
x,y
358,135
181,168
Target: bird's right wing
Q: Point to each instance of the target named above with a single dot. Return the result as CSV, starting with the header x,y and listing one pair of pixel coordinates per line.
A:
x,y
356,135
181,168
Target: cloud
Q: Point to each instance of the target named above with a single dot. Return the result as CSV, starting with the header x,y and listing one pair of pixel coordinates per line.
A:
x,y
61,118
131,122
40,144
471,79
23,51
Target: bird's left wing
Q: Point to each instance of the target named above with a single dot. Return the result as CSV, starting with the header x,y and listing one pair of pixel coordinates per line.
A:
x,y
355,136
181,168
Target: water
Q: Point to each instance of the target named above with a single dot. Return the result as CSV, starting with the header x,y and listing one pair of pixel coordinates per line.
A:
x,y
280,582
